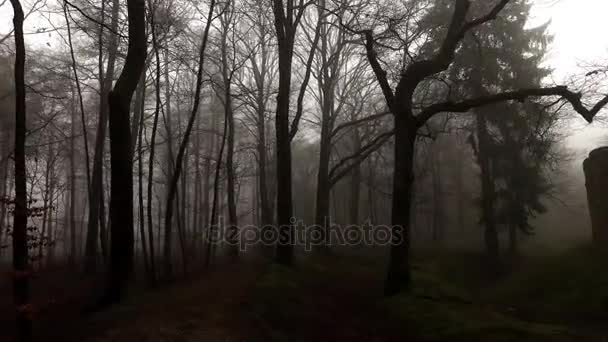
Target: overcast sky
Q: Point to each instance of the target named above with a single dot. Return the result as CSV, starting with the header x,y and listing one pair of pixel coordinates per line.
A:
x,y
579,28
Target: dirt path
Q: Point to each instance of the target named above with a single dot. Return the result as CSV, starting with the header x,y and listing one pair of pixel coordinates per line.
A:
x,y
206,309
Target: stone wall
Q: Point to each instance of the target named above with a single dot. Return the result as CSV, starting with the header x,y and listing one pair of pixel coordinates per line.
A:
x,y
596,181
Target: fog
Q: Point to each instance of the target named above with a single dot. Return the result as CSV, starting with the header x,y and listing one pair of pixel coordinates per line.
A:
x,y
339,170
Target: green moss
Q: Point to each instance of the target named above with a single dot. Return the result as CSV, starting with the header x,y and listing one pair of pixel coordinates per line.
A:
x,y
573,284
447,320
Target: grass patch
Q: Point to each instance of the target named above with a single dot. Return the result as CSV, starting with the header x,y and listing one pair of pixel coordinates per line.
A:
x,y
571,285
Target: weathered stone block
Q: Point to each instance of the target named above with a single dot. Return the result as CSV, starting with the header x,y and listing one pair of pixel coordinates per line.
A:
x,y
596,181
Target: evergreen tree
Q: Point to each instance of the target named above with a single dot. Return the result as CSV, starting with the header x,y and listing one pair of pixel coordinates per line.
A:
x,y
515,140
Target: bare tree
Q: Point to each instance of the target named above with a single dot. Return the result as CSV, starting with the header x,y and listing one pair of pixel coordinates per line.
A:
x,y
121,191
21,266
96,192
287,18
182,148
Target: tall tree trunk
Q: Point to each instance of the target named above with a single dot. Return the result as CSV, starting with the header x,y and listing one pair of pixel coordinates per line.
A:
x,y
283,151
211,229
260,73
51,205
4,194
327,79
398,275
207,178
21,266
121,191
182,148
488,192
72,254
153,146
45,206
169,163
96,192
322,207
265,207
196,193
148,261
371,200
229,117
460,192
231,178
438,209
355,183
83,121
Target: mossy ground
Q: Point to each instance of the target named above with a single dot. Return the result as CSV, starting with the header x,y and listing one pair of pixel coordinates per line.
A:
x,y
339,298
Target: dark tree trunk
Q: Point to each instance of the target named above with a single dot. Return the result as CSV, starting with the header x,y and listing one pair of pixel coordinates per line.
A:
x,y
170,165
488,192
322,206
121,191
140,175
283,148
325,83
45,206
260,73
153,147
213,226
265,207
438,208
4,194
266,217
227,73
371,199
21,266
207,179
355,183
460,192
96,192
182,149
72,253
196,210
50,242
230,176
398,274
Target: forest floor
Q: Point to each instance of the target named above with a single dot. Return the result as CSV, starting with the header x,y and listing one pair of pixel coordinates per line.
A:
x,y
333,299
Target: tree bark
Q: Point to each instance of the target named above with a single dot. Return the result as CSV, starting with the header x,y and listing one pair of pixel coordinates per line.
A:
x,y
438,208
355,183
153,146
182,149
283,148
21,267
148,260
121,191
96,192
211,229
50,246
260,72
72,253
398,274
488,192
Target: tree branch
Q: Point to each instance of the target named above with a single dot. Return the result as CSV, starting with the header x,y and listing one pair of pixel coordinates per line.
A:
x,y
357,122
456,32
380,73
519,95
358,157
308,67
